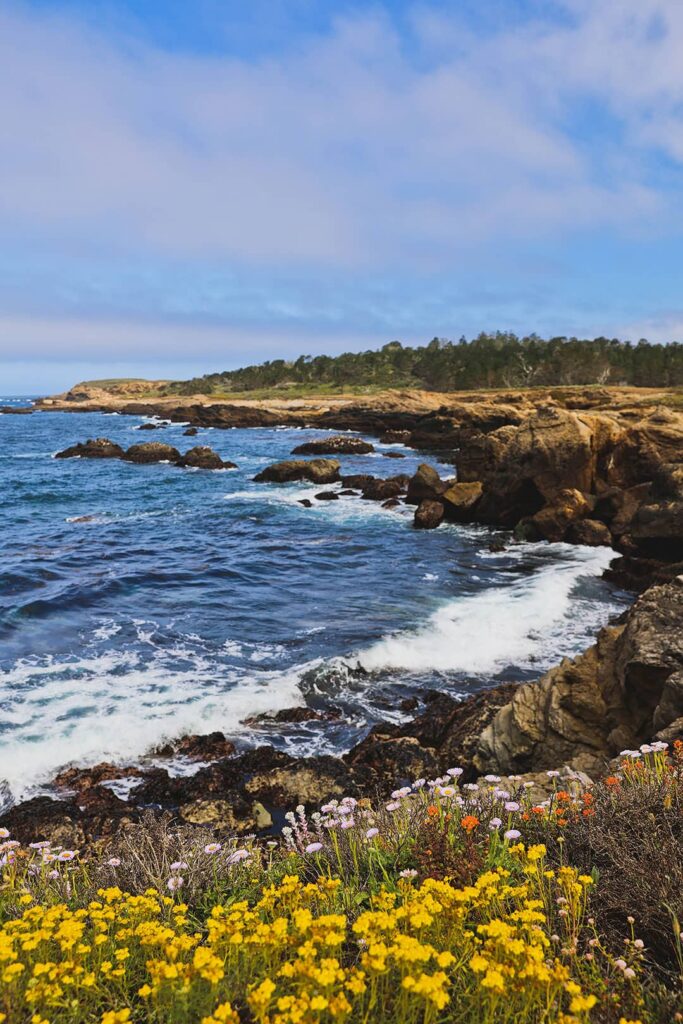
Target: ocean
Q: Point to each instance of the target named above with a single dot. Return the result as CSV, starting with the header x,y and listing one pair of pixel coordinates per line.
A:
x,y
189,601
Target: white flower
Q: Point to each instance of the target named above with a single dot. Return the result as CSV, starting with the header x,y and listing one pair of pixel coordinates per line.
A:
x,y
472,786
177,865
44,845
492,778
314,847
393,806
511,805
638,943
67,855
455,773
408,873
115,862
629,972
446,791
512,833
213,848
621,964
646,749
175,882
4,833
419,783
237,856
371,833
495,823
553,775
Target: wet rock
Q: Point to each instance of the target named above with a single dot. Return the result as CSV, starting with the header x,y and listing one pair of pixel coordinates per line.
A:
x,y
357,480
208,747
151,451
428,515
99,448
590,532
190,432
150,426
381,490
425,484
11,410
347,492
327,496
203,457
393,455
319,471
460,501
295,716
391,503
340,445
306,502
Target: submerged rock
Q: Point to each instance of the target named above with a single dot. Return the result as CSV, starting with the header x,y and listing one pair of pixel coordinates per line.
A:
x,y
319,471
339,445
99,448
327,496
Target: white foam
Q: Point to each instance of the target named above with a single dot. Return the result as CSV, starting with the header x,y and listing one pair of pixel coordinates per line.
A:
x,y
114,706
530,621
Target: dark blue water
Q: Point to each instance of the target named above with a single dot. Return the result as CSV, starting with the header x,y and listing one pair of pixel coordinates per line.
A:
x,y
190,600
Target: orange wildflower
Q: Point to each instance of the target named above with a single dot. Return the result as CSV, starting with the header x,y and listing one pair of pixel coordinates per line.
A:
x,y
612,780
469,822
563,796
538,810
432,811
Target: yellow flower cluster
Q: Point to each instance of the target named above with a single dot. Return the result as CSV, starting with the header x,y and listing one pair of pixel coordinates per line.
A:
x,y
295,955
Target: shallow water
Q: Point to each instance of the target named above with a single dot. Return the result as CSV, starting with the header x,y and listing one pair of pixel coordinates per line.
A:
x,y
192,599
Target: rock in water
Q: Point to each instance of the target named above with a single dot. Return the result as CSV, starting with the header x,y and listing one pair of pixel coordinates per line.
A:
x,y
460,500
428,515
339,445
203,457
99,448
327,496
426,483
318,471
190,432
152,451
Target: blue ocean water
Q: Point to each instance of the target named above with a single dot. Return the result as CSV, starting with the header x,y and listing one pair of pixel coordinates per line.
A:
x,y
189,601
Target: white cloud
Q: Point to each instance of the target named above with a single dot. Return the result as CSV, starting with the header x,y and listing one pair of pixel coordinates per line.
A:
x,y
341,151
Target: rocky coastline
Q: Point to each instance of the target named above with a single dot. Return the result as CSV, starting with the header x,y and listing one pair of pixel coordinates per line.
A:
x,y
587,466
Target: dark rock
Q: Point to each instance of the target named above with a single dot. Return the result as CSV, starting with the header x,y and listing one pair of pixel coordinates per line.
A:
x,y
207,747
357,480
657,530
10,410
428,515
203,457
340,445
395,437
295,716
306,502
393,455
190,432
590,532
319,471
327,496
391,503
347,492
426,483
150,426
152,451
380,490
99,448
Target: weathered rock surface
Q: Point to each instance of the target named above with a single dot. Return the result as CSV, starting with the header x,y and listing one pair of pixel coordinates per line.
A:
x,y
339,445
616,695
99,448
460,501
428,515
318,471
203,457
151,451
425,483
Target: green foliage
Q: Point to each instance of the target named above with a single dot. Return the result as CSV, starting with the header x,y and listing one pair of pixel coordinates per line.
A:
x,y
488,361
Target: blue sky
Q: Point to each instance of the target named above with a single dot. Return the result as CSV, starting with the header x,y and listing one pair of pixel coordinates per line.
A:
x,y
187,186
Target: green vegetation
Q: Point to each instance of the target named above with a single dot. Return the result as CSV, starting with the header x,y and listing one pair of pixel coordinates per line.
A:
x,y
474,904
488,361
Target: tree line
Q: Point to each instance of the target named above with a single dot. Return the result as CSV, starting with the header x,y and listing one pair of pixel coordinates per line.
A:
x,y
488,361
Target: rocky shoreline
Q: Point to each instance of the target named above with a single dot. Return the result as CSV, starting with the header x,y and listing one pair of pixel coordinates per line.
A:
x,y
583,466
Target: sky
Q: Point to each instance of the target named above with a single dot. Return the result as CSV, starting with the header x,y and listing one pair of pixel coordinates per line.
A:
x,y
187,186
